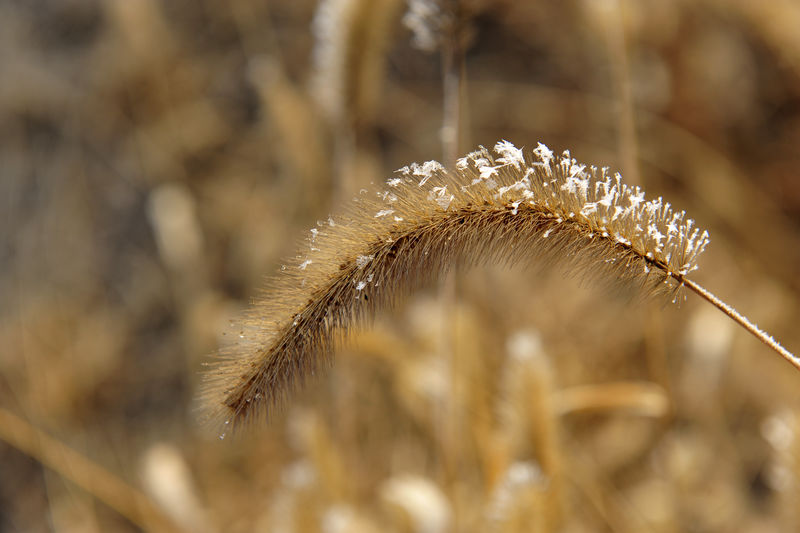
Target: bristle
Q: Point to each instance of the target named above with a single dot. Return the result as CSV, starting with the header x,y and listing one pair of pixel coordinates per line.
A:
x,y
507,207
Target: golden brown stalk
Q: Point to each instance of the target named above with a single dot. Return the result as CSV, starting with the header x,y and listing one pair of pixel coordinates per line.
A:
x,y
79,469
740,319
502,208
531,491
643,398
351,38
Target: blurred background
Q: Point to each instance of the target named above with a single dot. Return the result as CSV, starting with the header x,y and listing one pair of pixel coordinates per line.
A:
x,y
159,158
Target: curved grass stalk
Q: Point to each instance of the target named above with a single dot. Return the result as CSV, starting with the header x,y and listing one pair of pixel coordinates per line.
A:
x,y
503,207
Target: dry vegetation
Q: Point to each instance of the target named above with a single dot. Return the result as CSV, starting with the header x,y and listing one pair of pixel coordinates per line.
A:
x,y
159,159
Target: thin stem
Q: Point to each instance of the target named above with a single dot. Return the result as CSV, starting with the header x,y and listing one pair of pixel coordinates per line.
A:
x,y
629,150
452,75
759,333
452,66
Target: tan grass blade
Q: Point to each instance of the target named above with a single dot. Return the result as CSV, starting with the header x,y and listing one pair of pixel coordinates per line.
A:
x,y
94,479
503,207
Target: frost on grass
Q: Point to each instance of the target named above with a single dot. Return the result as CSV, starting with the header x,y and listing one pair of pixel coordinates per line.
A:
x,y
363,260
495,205
566,189
425,171
441,196
509,154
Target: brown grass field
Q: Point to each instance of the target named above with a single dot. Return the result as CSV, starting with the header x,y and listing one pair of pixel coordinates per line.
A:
x,y
160,160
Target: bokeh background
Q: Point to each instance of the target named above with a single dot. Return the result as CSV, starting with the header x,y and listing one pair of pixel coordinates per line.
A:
x,y
158,159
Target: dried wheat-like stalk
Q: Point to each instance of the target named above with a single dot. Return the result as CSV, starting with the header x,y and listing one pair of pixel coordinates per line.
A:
x,y
351,39
84,472
504,207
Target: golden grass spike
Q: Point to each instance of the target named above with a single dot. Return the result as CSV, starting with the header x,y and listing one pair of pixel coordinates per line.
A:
x,y
506,207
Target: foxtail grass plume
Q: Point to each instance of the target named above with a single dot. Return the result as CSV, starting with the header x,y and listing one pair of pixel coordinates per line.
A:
x,y
506,206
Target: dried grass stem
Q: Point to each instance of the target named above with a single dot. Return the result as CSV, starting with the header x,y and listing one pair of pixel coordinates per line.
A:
x,y
504,208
